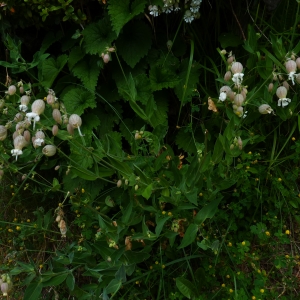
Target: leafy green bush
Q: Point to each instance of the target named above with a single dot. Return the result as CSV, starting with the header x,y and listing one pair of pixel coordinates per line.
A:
x,y
135,167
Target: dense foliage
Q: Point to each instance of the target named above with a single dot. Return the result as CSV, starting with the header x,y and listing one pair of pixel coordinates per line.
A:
x,y
149,150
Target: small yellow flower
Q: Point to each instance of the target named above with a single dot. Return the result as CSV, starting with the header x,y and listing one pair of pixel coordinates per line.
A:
x,y
15,219
243,243
293,138
249,152
247,167
231,291
163,266
137,282
210,266
287,256
21,248
82,191
78,215
18,228
163,212
279,179
28,220
238,273
10,230
41,266
267,233
151,267
12,194
287,232
200,194
223,285
227,276
229,244
11,186
253,298
258,271
256,179
156,262
169,214
262,291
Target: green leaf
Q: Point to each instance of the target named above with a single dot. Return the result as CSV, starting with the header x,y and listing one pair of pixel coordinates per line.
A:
x,y
123,11
189,236
161,77
218,150
70,281
51,68
185,287
77,100
229,40
98,36
127,213
134,42
207,211
33,291
160,115
160,224
147,191
75,56
113,286
54,280
87,70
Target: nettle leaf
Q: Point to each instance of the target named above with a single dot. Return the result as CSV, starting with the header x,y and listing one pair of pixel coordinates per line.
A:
x,y
51,68
87,71
98,36
122,12
77,100
143,88
134,42
161,77
75,56
160,115
185,141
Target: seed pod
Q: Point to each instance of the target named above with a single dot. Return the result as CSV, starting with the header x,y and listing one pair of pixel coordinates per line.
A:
x,y
290,66
236,67
70,129
238,100
265,109
57,116
106,58
75,121
54,130
21,90
227,76
38,106
49,150
270,87
27,136
286,85
281,92
11,90
3,133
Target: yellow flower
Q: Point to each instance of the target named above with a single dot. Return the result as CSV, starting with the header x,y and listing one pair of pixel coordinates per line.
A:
x,y
229,244
243,243
287,232
231,291
293,138
262,291
223,285
169,214
163,212
267,233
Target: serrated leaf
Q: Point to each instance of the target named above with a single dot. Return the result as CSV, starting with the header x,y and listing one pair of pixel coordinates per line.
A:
x,y
161,78
160,115
98,36
87,70
185,287
51,68
123,11
75,56
134,42
184,140
77,100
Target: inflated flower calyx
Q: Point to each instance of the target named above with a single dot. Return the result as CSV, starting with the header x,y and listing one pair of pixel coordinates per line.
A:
x,y
298,62
265,109
57,116
18,117
75,121
63,228
105,57
27,136
237,69
270,87
19,143
24,102
37,108
227,76
4,288
3,133
224,90
11,90
281,93
49,150
55,130
51,99
70,129
238,99
291,68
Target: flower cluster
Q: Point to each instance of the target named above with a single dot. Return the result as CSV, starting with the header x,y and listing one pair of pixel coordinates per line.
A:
x,y
173,5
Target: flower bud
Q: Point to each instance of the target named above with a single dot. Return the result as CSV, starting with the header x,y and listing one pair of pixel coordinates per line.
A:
x,y
11,90
75,121
27,136
238,100
270,87
106,58
50,99
136,187
265,109
58,218
21,90
119,183
49,150
290,66
281,92
236,67
38,107
54,130
227,76
286,85
230,59
4,288
240,143
57,116
3,133
56,168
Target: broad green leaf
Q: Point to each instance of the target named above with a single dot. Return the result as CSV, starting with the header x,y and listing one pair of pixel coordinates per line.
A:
x,y
113,286
54,280
225,183
75,56
160,224
123,11
186,287
88,70
127,213
134,42
161,78
147,191
121,274
98,36
207,211
189,236
218,150
77,100
51,68
33,291
70,281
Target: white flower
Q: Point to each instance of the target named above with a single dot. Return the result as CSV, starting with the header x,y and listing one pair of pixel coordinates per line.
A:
x,y
167,8
33,116
194,8
153,10
38,142
292,76
16,152
284,102
223,96
196,2
23,107
265,109
176,8
188,17
237,78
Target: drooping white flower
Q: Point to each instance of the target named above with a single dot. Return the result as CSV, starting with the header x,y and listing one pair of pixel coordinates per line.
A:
x,y
188,16
291,68
19,143
281,94
237,69
265,109
224,92
37,107
153,10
